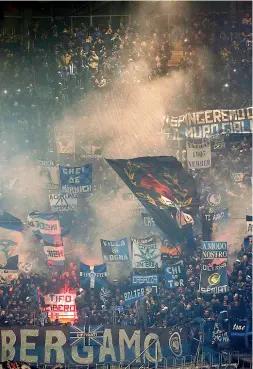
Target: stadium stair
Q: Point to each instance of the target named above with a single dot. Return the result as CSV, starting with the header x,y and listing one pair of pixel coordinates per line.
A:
x,y
177,54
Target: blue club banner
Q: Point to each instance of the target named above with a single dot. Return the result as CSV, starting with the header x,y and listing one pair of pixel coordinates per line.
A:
x,y
76,179
93,276
145,280
209,123
115,250
174,274
84,345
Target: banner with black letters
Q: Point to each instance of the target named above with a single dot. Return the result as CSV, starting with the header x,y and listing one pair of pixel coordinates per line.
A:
x,y
198,155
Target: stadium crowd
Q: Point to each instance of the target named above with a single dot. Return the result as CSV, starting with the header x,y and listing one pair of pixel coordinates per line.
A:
x,y
40,84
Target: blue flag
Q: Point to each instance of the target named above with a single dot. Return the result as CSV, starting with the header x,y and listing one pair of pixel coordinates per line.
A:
x,y
10,237
115,250
93,276
76,179
174,274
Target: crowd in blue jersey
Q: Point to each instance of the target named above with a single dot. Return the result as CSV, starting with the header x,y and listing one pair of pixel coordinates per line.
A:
x,y
57,74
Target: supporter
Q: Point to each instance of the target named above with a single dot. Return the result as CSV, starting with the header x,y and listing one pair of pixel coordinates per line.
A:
x,y
60,69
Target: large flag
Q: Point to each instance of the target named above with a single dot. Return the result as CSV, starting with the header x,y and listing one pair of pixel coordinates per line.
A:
x,y
93,276
164,188
46,227
10,237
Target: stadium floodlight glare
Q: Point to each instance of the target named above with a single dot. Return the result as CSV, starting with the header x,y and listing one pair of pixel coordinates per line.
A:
x,y
226,85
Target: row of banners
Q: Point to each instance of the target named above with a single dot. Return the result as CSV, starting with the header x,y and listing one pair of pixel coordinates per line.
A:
x,y
99,344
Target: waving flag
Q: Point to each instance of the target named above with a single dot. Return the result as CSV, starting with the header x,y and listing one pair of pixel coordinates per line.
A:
x,y
164,188
93,276
10,237
46,227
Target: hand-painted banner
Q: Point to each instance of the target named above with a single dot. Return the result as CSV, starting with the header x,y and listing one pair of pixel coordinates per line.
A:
x,y
63,344
148,221
93,276
198,155
145,280
209,117
61,307
213,278
63,201
208,123
46,226
115,250
54,254
238,327
76,179
174,274
170,252
49,174
65,140
164,188
218,220
10,237
214,250
249,224
146,253
132,294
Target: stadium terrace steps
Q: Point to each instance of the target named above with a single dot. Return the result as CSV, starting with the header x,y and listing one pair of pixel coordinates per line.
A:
x,y
177,54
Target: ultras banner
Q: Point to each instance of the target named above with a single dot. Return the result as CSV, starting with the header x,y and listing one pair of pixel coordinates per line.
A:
x,y
69,345
164,188
213,278
49,174
205,124
115,250
198,155
146,253
76,179
63,201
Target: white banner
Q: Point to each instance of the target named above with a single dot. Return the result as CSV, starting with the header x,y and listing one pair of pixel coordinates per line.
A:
x,y
65,140
54,254
61,306
146,253
49,174
63,202
198,155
